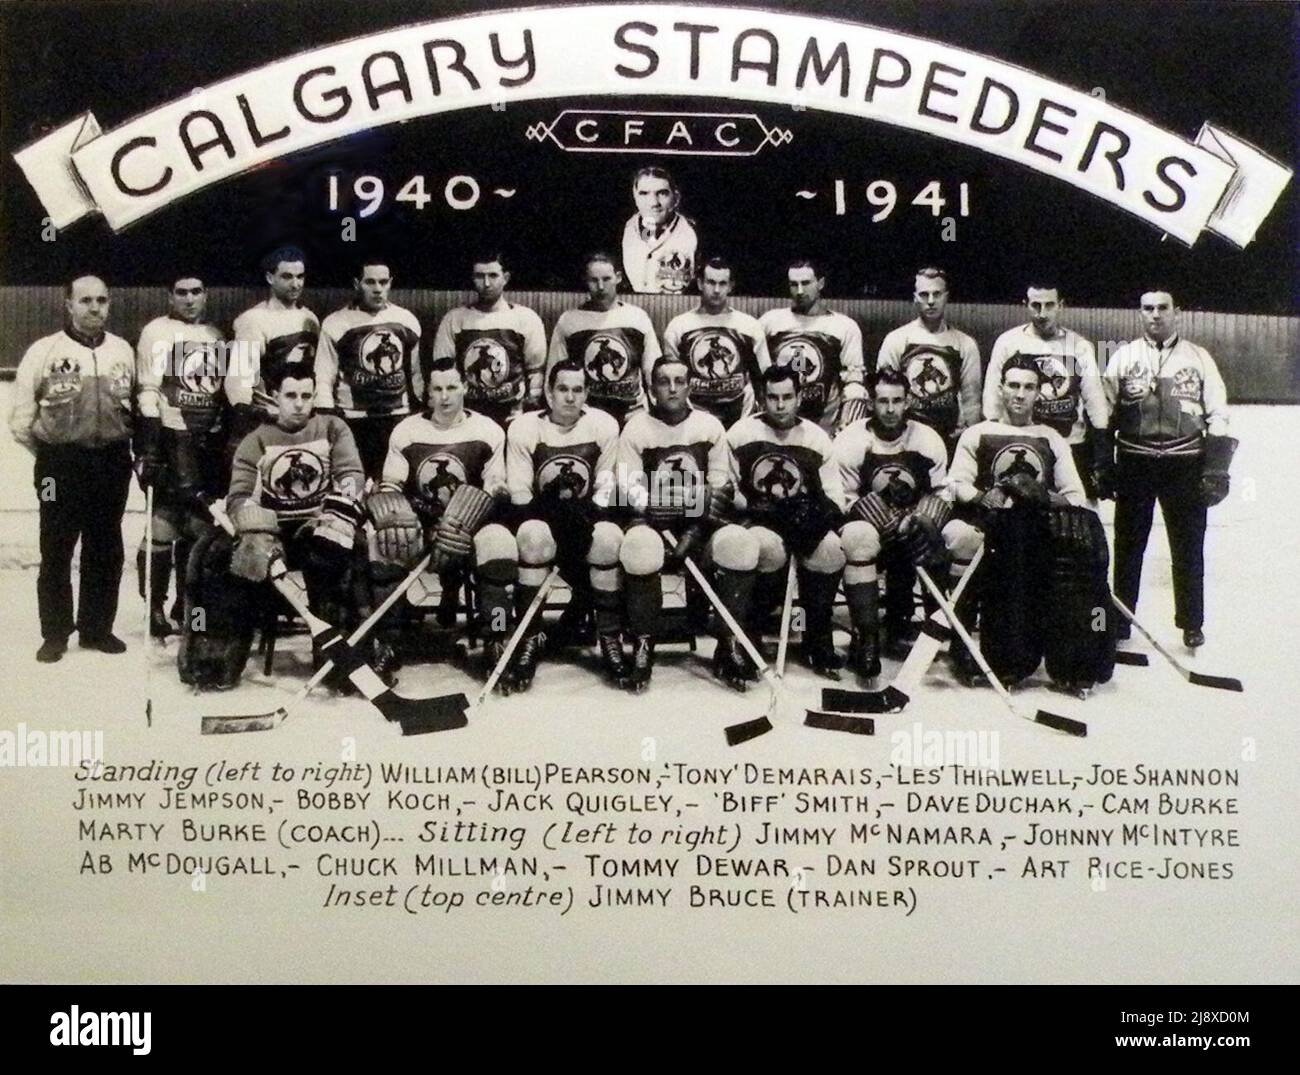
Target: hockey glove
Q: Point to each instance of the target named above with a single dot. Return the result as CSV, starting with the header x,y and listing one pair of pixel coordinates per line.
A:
x,y
257,541
398,534
1215,460
1025,491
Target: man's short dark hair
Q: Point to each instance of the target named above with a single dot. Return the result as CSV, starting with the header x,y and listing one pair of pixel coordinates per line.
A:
x,y
1157,289
801,262
377,259
442,365
718,263
775,374
1044,287
889,376
669,360
654,171
1022,362
933,272
599,255
186,274
486,257
280,254
296,371
567,365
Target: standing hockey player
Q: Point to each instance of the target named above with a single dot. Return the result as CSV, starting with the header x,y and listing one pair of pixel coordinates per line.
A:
x,y
658,242
180,436
1071,400
823,347
72,411
444,481
294,493
275,332
1171,431
789,483
559,467
891,468
610,339
1043,577
725,349
673,468
368,364
941,364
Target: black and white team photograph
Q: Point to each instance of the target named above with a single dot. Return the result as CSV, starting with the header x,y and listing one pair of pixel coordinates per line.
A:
x,y
646,493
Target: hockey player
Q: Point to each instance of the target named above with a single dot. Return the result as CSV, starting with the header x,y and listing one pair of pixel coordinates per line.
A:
x,y
180,436
1072,400
725,348
444,480
499,346
1171,430
789,484
1015,486
294,493
673,473
891,468
368,364
658,242
611,339
72,411
941,363
823,347
275,332
559,467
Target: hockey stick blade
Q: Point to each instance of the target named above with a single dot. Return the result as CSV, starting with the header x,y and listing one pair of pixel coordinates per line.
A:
x,y
839,722
396,708
1127,656
747,730
1223,683
257,722
887,700
1062,724
434,721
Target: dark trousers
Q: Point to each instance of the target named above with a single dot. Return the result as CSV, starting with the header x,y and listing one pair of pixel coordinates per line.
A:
x,y
372,435
82,494
1176,483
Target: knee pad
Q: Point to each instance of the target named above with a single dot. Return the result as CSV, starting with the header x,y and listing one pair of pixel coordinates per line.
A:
x,y
734,548
828,557
962,540
771,549
860,542
606,540
536,543
642,552
496,556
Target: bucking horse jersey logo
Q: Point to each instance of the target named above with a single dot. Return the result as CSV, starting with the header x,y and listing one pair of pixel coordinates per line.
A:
x,y
380,353
1017,459
437,477
295,478
932,373
565,476
605,358
1057,404
775,476
896,483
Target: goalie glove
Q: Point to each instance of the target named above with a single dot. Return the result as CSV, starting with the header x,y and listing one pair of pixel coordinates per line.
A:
x,y
1215,460
719,505
148,451
399,536
466,513
257,541
667,502
921,539
994,500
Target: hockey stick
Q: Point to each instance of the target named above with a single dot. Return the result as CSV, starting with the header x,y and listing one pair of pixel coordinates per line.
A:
x,y
1050,720
894,697
749,729
148,604
539,599
1223,683
785,622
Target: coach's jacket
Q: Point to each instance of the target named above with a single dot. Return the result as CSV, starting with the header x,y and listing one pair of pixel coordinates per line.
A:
x,y
74,389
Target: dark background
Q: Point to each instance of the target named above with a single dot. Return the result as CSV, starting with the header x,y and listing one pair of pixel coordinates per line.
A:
x,y
1177,64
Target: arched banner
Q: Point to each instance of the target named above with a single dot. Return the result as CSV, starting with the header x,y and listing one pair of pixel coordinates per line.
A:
x,y
1215,182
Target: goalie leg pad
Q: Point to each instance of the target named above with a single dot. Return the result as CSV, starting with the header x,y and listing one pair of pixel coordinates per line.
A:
x,y
642,552
1016,566
771,549
734,548
221,612
1080,623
